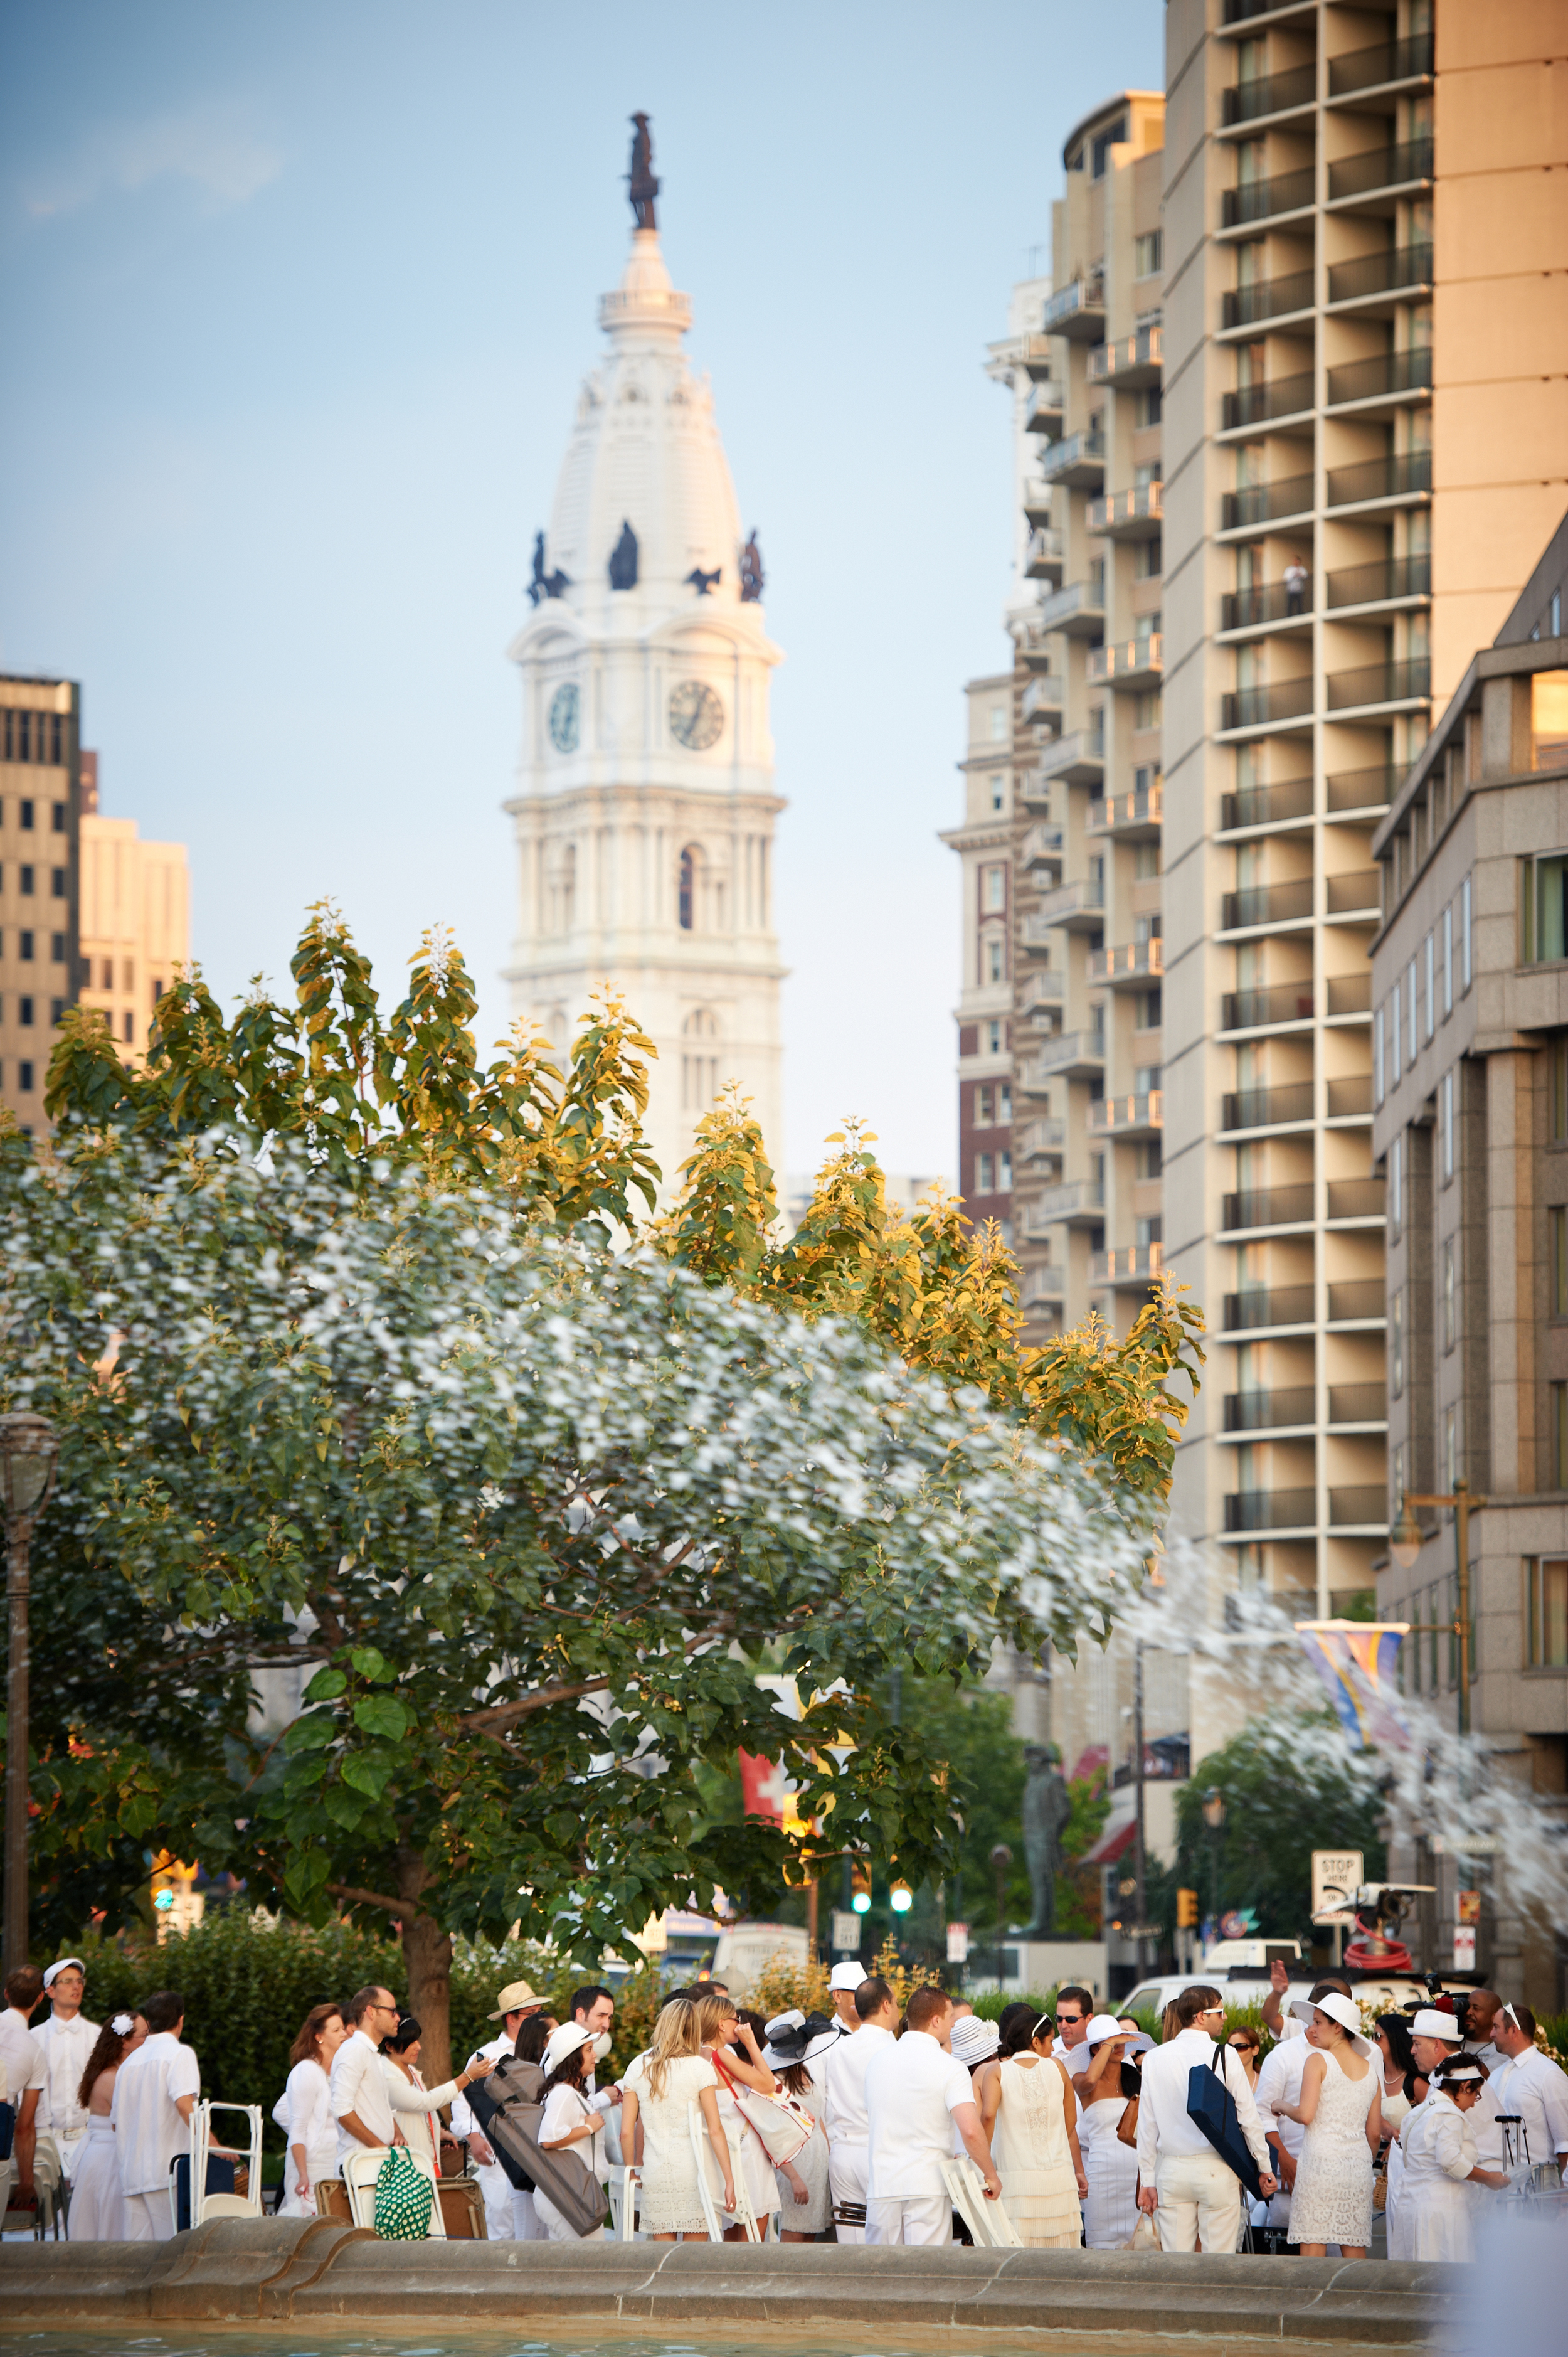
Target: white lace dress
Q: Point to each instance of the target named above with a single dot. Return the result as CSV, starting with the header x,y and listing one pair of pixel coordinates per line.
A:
x,y
1110,2207
1332,2201
1029,2146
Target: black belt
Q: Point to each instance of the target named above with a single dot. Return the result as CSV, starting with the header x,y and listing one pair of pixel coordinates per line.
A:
x,y
849,2213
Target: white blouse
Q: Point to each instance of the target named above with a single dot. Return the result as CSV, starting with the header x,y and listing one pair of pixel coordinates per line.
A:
x,y
308,2106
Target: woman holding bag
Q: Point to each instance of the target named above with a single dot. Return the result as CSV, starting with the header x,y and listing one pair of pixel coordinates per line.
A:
x,y
569,2124
729,2041
794,2043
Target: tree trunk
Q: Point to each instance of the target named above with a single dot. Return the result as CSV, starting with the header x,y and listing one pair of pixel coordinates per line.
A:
x,y
428,1953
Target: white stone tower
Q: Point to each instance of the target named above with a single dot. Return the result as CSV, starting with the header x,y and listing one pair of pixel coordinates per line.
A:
x,y
644,806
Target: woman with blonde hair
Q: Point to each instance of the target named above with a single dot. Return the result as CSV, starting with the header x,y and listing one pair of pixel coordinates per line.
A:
x,y
729,2040
97,2211
1029,2112
656,2095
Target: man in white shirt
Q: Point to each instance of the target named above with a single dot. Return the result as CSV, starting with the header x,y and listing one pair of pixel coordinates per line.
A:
x,y
843,2104
507,2211
916,2095
1280,2024
25,2072
1185,2187
843,1982
1071,2044
155,2089
364,2097
1528,2086
66,2039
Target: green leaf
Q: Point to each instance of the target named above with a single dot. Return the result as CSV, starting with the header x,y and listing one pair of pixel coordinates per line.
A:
x,y
326,1686
343,1809
367,1773
312,1733
383,1715
371,1664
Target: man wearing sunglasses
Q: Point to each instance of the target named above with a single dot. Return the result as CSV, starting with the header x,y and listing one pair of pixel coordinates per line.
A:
x,y
364,2099
1190,2193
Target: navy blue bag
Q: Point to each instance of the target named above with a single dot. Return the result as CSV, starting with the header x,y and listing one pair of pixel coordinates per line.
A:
x,y
8,2128
1211,2107
220,2180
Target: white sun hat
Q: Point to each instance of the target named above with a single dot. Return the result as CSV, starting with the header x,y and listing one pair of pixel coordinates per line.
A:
x,y
974,2040
1338,2007
847,1977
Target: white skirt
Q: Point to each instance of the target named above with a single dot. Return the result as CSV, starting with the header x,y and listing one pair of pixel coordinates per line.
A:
x,y
97,2196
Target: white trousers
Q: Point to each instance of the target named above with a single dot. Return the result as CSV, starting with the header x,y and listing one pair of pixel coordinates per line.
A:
x,y
497,2187
526,2224
925,2219
555,2228
149,2217
1199,2201
846,2182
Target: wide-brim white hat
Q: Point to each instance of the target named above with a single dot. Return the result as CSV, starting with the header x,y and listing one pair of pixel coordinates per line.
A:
x,y
1103,2026
1430,2023
1338,2007
974,2040
847,1979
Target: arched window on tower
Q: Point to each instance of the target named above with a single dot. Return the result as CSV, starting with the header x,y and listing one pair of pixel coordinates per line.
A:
x,y
687,896
699,1060
562,887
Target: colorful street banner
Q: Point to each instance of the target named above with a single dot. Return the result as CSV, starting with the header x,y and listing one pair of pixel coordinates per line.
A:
x,y
1356,1661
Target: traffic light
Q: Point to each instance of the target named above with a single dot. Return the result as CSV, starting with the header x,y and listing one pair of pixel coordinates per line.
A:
x,y
860,1887
1186,1910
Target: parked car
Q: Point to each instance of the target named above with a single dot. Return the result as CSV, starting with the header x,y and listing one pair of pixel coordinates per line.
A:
x,y
744,1952
1248,1984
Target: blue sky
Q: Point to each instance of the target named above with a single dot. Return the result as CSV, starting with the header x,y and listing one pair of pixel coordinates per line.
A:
x,y
297,298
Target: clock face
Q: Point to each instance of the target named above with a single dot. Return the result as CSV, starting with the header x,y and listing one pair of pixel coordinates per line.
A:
x,y
696,715
564,717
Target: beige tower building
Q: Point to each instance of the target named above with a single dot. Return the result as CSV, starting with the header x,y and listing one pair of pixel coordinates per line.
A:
x,y
40,751
1366,386
135,919
644,806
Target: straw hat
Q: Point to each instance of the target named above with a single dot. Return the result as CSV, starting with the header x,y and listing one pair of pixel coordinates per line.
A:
x,y
1338,2007
515,1997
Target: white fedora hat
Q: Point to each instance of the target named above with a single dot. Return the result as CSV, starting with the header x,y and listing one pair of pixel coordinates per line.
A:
x,y
847,1977
1338,2007
1430,2023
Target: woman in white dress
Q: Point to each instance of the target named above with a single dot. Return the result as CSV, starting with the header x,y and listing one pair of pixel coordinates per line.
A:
x,y
656,2096
731,2042
794,2043
1331,2201
1438,2209
97,2210
1104,2090
569,2123
1029,2110
304,2111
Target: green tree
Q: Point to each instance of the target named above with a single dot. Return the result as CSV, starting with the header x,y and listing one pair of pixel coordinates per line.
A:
x,y
1289,1786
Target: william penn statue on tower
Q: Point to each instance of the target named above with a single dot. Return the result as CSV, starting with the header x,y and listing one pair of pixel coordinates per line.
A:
x,y
641,181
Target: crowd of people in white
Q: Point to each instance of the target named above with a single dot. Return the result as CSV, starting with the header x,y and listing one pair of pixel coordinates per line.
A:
x,y
1080,2125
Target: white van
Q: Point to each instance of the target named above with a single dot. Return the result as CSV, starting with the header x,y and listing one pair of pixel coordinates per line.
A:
x,y
744,1952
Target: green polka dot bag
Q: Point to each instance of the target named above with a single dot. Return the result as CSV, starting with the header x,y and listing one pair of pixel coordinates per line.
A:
x,y
405,2197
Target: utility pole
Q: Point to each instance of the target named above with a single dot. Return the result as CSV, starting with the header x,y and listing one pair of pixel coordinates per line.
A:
x,y
1141,1900
1405,1541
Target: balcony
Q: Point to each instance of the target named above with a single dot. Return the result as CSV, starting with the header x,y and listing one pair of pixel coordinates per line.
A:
x,y
1045,1281
1127,966
1041,700
1041,846
1133,663
1271,1509
1399,270
1357,1199
1077,310
1241,12
1077,461
1361,1404
1384,584
1078,759
1266,904
1384,378
1131,1266
1349,994
1379,169
1077,611
1265,1308
1267,298
1381,684
1259,707
1358,892
1361,1302
1038,1138
1080,906
1363,790
1271,806
1264,1410
1037,501
1041,992
1362,1508
1260,404
1072,1056
1127,515
1406,476
1385,62
1267,1009
1266,1108
1130,362
1351,1098
1080,1203
1258,200
1249,101
1271,601
1139,1115
1134,818
1043,410
1266,1207
1043,558
1255,504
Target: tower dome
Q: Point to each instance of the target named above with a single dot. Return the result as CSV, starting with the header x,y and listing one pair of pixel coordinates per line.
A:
x,y
644,804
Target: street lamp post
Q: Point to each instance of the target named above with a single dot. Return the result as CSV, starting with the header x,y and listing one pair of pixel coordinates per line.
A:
x,y
1214,1818
1405,1541
28,1448
1001,1859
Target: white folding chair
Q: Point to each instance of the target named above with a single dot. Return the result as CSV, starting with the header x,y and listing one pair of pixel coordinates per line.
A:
x,y
360,2171
203,2204
622,2187
710,2185
987,2221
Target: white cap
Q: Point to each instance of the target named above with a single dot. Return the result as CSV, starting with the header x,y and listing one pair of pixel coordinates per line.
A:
x,y
1430,2023
58,1966
847,1977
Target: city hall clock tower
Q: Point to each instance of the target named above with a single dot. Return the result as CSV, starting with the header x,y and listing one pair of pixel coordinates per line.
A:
x,y
644,803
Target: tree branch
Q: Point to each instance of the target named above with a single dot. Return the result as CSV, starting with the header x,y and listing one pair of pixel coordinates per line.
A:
x,y
401,1908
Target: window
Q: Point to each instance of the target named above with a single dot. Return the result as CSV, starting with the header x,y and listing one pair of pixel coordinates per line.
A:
x,y
57,948
1147,860
1557,1070
999,791
1394,1036
994,1039
1150,1010
1396,1185
998,723
1559,1436
994,950
995,888
1145,712
982,1112
1409,1014
1430,978
1379,1090
699,1061
29,878
1396,1344
1465,936
25,948
25,1013
25,816
984,1174
1543,910
24,1077
1113,136
688,891
1004,1174
1148,559
1547,1611
1449,1091
1557,1225
1450,1447
57,817
1548,718
1449,961
1004,1101
1149,253
1450,1294
129,1023
1151,408
57,883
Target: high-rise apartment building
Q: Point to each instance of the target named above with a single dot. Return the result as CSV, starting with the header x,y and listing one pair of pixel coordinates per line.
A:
x,y
1366,391
135,919
984,1010
40,758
